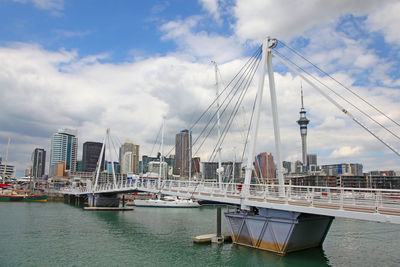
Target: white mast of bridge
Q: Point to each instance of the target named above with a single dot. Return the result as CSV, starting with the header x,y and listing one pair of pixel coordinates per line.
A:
x,y
220,169
266,60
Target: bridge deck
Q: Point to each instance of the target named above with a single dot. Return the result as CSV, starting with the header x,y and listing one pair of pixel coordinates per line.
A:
x,y
358,203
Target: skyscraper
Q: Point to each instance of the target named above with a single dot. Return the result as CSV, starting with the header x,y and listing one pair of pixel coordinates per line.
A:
x,y
303,122
129,157
264,165
183,152
90,156
38,162
64,147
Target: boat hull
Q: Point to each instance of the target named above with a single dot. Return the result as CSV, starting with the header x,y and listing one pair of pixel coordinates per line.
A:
x,y
23,198
156,203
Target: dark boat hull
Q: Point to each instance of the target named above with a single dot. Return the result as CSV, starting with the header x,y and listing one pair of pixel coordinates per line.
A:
x,y
23,198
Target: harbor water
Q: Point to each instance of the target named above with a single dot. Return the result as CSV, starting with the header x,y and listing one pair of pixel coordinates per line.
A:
x,y
59,234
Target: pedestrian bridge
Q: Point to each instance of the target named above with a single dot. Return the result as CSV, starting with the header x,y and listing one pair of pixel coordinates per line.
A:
x,y
381,205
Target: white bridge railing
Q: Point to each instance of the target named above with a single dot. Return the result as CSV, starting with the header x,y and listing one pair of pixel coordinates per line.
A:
x,y
353,199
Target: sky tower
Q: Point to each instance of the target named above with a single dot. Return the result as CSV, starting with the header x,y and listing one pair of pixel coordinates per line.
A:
x,y
303,121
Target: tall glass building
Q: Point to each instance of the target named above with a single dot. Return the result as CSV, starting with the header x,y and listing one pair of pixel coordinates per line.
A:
x,y
38,162
90,156
183,153
64,147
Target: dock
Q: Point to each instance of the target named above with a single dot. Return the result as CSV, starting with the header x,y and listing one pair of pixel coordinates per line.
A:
x,y
202,239
108,208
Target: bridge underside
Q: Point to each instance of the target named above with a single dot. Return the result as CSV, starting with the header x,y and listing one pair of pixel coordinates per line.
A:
x,y
103,200
278,230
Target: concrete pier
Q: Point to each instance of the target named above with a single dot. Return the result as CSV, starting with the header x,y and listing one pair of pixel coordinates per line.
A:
x,y
103,200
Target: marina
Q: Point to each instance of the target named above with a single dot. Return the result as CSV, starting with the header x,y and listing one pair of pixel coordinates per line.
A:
x,y
59,234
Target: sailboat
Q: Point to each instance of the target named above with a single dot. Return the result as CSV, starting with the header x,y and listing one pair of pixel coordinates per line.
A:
x,y
165,201
9,193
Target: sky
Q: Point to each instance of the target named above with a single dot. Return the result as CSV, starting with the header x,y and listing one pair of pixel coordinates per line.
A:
x,y
124,65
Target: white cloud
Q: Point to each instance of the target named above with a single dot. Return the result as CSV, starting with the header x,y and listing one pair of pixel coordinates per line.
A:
x,y
200,45
211,6
257,19
346,151
386,19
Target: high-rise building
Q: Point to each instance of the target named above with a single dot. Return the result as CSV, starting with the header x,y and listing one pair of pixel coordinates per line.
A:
x,y
64,148
264,165
312,162
9,171
303,122
90,156
183,153
129,157
38,160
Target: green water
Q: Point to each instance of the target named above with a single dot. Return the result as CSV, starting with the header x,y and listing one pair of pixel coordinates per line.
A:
x,y
58,234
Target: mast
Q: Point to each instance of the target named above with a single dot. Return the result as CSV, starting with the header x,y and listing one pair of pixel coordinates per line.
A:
x,y
190,155
161,156
100,160
220,169
271,44
112,163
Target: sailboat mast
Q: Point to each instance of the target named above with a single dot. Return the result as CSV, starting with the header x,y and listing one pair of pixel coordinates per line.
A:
x,y
162,153
218,124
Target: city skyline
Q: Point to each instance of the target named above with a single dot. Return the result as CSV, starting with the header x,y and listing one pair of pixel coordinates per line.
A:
x,y
126,66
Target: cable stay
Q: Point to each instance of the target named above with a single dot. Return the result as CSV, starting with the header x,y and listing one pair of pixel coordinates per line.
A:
x,y
338,95
238,91
286,63
231,93
109,149
341,84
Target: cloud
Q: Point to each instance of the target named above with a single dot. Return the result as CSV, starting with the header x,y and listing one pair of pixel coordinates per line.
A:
x,y
386,19
257,19
346,151
201,45
211,6
54,6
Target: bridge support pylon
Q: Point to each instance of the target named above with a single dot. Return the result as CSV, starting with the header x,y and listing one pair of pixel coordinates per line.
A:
x,y
103,200
278,230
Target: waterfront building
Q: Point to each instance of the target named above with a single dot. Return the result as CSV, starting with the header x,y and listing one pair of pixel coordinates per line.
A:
x,y
79,166
38,162
90,156
64,148
349,169
10,171
117,167
232,170
183,153
303,122
129,157
58,170
264,166
144,166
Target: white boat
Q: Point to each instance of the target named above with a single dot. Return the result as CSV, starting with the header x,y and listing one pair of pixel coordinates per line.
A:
x,y
167,202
